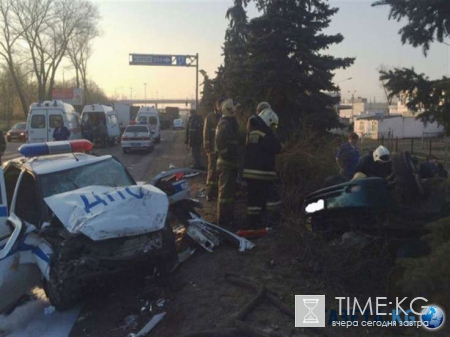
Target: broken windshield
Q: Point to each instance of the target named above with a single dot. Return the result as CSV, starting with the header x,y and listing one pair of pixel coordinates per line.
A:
x,y
105,173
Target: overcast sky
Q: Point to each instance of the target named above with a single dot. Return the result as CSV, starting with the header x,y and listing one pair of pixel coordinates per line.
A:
x,y
190,27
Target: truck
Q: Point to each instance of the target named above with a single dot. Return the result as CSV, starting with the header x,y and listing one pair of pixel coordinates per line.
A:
x,y
125,114
168,115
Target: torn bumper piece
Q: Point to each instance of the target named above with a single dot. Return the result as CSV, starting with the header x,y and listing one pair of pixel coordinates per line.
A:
x,y
209,235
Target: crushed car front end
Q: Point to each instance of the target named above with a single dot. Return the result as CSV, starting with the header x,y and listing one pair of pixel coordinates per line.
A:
x,y
339,208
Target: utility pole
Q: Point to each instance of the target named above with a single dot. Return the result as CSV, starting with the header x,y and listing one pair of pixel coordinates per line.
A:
x,y
131,93
145,91
353,99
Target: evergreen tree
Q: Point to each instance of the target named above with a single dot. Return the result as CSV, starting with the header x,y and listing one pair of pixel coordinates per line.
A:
x,y
287,65
428,20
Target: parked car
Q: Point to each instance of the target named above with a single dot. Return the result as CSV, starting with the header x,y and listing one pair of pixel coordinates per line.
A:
x,y
137,137
178,124
77,219
17,132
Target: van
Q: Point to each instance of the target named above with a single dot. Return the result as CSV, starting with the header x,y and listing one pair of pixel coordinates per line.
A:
x,y
95,113
42,117
150,116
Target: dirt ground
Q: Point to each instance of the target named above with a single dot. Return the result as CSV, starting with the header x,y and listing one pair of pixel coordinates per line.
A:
x,y
198,297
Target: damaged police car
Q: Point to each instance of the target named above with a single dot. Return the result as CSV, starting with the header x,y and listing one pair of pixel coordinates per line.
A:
x,y
76,218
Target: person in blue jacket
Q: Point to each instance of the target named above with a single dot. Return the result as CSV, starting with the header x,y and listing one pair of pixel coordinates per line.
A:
x,y
60,132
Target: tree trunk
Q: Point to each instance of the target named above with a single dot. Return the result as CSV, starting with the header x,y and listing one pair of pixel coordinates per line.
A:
x,y
23,100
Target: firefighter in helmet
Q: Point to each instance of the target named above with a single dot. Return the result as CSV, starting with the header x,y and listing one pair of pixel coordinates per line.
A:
x,y
226,143
259,168
209,135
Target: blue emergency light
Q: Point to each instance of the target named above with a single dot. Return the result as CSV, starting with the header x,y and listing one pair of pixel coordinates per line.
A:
x,y
43,149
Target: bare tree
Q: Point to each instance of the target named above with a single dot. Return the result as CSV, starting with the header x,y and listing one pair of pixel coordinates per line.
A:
x,y
10,34
80,50
48,28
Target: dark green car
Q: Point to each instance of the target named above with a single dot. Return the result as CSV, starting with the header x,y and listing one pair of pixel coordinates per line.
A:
x,y
396,207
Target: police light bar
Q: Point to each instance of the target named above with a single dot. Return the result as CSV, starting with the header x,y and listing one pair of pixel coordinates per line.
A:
x,y
43,149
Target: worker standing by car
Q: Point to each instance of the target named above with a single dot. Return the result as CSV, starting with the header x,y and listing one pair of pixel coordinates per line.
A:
x,y
60,132
194,138
259,167
377,164
209,134
227,163
2,145
347,156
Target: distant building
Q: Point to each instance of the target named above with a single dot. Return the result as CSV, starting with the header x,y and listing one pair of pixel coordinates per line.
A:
x,y
378,126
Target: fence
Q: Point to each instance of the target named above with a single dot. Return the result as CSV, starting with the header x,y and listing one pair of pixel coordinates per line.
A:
x,y
419,147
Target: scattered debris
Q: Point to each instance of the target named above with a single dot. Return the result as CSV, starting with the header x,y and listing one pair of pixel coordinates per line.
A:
x,y
150,325
204,236
254,233
49,310
242,243
131,322
160,303
201,193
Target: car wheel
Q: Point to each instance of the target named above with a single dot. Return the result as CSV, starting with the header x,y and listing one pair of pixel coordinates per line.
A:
x,y
407,181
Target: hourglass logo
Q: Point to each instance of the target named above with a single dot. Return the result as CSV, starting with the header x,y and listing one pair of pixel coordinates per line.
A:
x,y
310,311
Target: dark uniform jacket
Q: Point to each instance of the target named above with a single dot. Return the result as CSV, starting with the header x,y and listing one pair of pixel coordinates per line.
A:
x,y
262,146
227,141
370,168
209,131
194,131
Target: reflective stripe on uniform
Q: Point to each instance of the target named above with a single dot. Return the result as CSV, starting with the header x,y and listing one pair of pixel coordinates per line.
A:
x,y
226,163
272,205
257,132
211,183
254,210
258,174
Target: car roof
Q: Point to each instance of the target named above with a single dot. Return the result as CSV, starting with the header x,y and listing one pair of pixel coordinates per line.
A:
x,y
59,162
136,125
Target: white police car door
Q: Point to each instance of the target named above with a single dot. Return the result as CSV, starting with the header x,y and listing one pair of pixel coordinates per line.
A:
x,y
16,278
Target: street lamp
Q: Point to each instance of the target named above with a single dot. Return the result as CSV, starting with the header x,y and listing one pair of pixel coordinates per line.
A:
x,y
347,79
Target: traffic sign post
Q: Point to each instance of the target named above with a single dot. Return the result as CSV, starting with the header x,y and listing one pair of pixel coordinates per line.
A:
x,y
168,61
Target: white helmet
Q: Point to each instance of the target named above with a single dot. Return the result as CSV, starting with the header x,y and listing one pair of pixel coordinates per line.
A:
x,y
261,106
381,154
269,117
229,107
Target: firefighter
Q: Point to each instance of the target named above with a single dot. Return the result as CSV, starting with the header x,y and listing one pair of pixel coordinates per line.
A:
x,y
259,168
209,134
261,106
226,143
194,138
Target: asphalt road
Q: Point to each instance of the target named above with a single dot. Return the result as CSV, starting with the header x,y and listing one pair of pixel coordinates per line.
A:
x,y
142,166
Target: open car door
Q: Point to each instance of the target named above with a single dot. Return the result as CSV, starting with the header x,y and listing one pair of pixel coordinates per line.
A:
x,y
15,278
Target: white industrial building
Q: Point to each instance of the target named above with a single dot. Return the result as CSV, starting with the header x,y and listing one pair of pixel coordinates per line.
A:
x,y
393,126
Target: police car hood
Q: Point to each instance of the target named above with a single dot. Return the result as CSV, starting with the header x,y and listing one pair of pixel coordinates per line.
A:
x,y
102,213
